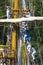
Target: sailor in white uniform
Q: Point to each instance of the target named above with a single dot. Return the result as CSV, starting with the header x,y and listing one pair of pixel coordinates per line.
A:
x,y
29,47
8,12
28,14
33,53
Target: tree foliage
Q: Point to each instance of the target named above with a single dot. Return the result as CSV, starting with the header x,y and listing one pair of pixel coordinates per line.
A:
x,y
36,27
3,4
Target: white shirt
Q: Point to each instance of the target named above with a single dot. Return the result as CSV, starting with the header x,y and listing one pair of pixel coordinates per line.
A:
x,y
33,50
28,14
1,64
8,13
29,48
4,64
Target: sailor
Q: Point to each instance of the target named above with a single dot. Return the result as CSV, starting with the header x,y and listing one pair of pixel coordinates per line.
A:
x,y
8,38
8,12
28,13
28,47
27,36
1,62
4,63
33,53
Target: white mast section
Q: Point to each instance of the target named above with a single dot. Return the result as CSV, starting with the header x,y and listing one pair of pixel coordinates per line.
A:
x,y
20,19
24,4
